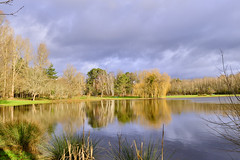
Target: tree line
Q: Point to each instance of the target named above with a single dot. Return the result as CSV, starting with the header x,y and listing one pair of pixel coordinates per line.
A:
x,y
224,84
27,73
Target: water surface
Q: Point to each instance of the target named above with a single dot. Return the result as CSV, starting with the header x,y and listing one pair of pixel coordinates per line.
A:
x,y
187,132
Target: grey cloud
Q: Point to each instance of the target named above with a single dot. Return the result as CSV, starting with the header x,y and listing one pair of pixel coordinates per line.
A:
x,y
182,38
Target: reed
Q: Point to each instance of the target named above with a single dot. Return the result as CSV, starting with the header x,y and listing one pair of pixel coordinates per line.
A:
x,y
135,150
72,147
153,150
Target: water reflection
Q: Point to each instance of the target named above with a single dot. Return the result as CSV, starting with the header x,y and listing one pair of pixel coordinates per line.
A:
x,y
148,113
100,114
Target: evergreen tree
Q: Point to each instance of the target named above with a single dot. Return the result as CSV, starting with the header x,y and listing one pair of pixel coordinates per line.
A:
x,y
52,74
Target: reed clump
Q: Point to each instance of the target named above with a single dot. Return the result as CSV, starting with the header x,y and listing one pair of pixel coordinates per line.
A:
x,y
135,151
72,147
153,150
20,136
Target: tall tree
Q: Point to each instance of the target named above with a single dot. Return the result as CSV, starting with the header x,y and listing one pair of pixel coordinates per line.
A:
x,y
95,76
41,60
6,50
21,51
121,84
75,81
152,84
36,78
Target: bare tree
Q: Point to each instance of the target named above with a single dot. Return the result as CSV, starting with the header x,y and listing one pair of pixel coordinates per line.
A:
x,y
36,81
227,126
21,51
6,49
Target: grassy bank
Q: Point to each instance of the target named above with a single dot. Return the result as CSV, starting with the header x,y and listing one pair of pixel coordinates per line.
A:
x,y
105,97
18,102
198,96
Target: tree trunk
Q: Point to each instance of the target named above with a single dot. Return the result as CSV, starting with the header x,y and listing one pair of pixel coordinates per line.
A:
x,y
34,96
13,84
13,77
5,81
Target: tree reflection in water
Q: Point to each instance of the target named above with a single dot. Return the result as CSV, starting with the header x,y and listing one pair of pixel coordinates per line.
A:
x,y
150,113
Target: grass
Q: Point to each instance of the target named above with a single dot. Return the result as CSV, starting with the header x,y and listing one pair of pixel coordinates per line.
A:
x,y
197,96
104,97
71,146
20,136
137,97
13,155
19,102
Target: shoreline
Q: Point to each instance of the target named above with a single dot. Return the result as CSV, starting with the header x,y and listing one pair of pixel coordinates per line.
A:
x,y
19,102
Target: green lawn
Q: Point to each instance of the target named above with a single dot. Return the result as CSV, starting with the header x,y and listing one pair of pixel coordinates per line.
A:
x,y
197,96
18,102
104,97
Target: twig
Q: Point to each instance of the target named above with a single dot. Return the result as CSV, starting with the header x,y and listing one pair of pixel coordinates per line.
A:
x,y
13,13
6,2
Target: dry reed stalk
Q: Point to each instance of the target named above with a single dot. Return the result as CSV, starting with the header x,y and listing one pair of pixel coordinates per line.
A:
x,y
162,140
75,152
141,151
63,157
69,150
137,151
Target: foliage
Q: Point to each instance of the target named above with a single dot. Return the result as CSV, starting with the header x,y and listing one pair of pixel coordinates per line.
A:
x,y
20,136
52,74
206,85
152,84
73,81
122,83
93,80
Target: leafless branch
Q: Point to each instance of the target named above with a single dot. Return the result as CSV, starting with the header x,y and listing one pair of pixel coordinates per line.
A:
x,y
6,2
13,13
227,126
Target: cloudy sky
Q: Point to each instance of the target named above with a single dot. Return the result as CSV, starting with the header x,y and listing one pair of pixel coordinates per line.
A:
x,y
180,37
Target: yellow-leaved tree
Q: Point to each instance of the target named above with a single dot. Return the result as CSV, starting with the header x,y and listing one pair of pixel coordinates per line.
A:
x,y
152,84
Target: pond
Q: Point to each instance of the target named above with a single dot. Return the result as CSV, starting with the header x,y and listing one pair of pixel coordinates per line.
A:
x,y
188,133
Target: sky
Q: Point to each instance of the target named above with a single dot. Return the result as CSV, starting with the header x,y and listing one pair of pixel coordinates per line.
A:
x,y
180,37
